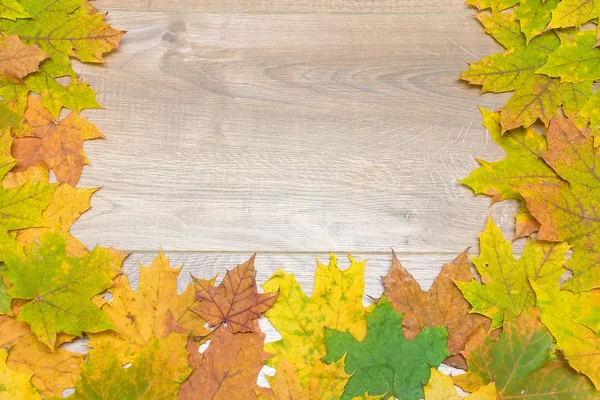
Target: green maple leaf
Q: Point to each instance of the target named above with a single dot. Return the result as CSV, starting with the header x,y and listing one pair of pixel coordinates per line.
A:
x,y
11,9
568,211
61,287
574,13
535,96
570,317
64,29
576,60
534,15
156,373
519,363
523,164
506,289
386,363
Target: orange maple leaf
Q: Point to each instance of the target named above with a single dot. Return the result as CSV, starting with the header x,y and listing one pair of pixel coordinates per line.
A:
x,y
228,369
235,301
60,144
18,60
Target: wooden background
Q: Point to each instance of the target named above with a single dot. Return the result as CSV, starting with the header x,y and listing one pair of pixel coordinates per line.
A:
x,y
290,128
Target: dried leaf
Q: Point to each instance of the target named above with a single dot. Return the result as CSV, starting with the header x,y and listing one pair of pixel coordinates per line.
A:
x,y
519,362
142,315
534,15
576,60
60,287
155,373
235,301
568,212
327,381
52,370
440,387
14,385
336,303
61,146
227,369
11,9
442,305
18,60
386,363
562,314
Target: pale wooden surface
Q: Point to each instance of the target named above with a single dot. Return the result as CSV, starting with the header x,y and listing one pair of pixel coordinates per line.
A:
x,y
291,129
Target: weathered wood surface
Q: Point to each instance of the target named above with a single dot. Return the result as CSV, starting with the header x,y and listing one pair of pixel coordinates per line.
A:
x,y
289,6
288,133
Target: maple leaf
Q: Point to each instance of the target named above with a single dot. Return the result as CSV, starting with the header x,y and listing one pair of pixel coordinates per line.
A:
x,y
139,316
506,289
569,212
65,29
11,9
235,301
386,362
336,303
18,60
523,163
575,60
440,386
20,206
535,96
574,13
75,95
227,369
562,314
60,287
155,373
14,385
61,143
68,203
519,362
442,305
51,370
327,381
496,5
534,15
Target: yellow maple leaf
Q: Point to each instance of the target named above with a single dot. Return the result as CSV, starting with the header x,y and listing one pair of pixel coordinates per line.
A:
x,y
326,381
14,385
441,386
150,312
336,303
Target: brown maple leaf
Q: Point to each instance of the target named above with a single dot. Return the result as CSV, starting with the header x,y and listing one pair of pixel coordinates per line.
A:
x,y
235,301
60,142
444,304
18,60
228,369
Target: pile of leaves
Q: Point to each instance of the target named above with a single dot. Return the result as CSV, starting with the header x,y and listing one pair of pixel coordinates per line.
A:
x,y
526,327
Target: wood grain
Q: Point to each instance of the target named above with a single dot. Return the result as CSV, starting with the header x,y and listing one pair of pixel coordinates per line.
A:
x,y
289,6
288,133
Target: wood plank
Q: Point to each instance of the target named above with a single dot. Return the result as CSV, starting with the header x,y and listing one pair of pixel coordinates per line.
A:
x,y
306,132
291,6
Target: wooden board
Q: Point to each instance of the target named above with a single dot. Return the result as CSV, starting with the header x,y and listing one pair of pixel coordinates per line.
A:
x,y
289,6
289,133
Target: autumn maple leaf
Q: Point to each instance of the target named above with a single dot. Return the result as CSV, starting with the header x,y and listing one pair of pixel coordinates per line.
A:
x,y
386,363
442,305
59,143
517,69
336,303
568,211
520,363
235,301
228,368
440,387
150,312
18,60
